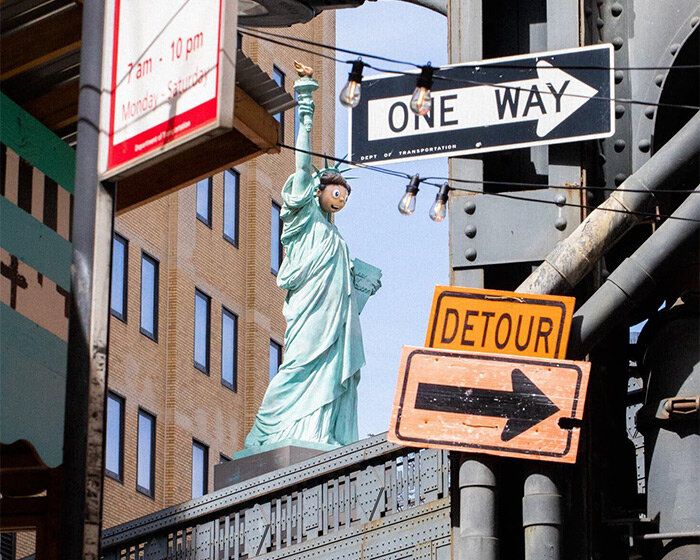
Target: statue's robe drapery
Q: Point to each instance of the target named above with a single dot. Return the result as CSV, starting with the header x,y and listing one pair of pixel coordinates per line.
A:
x,y
313,397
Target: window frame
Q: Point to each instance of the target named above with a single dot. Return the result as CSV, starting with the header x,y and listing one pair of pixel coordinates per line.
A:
x,y
144,412
233,385
280,249
204,368
156,296
280,358
210,188
237,200
125,278
205,475
121,399
278,72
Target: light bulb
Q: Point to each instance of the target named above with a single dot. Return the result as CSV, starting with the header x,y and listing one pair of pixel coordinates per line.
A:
x,y
438,210
421,101
407,204
350,94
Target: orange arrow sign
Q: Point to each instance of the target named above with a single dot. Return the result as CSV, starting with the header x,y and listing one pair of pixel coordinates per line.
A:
x,y
502,405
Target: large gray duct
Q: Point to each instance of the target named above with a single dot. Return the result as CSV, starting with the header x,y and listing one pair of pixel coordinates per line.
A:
x,y
635,278
573,258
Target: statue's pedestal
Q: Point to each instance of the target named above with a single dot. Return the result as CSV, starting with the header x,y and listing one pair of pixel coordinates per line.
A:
x,y
253,462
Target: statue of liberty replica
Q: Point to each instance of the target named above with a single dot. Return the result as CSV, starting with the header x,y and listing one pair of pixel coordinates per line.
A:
x,y
313,397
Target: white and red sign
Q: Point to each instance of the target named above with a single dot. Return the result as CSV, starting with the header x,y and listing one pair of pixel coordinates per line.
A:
x,y
168,77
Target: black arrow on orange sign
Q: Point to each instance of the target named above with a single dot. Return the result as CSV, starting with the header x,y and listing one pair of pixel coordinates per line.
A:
x,y
524,406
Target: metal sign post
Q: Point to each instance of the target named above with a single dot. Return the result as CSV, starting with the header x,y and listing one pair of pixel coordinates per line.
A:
x,y
514,102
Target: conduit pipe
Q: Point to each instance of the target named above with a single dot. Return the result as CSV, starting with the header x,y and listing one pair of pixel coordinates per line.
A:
x,y
635,278
574,257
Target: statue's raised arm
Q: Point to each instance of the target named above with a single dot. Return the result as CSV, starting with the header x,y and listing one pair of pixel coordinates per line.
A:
x,y
304,86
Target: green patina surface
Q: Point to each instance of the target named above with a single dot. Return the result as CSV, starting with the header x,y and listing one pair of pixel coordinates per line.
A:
x,y
39,146
313,398
32,385
34,243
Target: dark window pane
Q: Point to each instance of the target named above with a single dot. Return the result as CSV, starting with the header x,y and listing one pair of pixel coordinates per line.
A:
x,y
201,331
231,183
279,77
229,337
275,243
114,447
119,277
145,461
149,296
204,200
275,358
200,461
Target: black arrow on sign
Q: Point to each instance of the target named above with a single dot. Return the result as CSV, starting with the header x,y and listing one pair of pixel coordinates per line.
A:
x,y
524,406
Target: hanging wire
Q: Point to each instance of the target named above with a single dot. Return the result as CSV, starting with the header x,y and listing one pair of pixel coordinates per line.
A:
x,y
469,65
330,47
438,76
403,175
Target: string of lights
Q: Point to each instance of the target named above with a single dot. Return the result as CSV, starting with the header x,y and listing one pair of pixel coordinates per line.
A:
x,y
437,210
421,100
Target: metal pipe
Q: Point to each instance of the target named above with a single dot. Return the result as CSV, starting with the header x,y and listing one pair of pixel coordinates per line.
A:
x,y
665,536
93,216
477,493
542,517
572,259
635,278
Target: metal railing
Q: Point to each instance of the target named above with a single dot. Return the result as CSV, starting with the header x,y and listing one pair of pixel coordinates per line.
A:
x,y
362,500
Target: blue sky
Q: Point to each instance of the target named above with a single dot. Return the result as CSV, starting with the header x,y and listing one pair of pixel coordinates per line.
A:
x,y
412,251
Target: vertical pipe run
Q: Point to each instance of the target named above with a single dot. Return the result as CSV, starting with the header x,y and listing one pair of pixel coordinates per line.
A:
x,y
542,517
86,383
477,538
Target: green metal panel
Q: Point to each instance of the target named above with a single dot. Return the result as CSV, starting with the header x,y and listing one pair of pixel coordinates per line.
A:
x,y
37,144
32,385
35,244
32,359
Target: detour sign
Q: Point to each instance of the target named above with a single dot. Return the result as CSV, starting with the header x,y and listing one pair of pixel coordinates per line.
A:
x,y
495,321
502,405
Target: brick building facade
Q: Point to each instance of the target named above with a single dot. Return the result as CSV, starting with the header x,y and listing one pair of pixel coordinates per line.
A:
x,y
201,412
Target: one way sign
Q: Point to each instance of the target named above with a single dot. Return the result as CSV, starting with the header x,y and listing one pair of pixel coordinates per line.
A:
x,y
499,104
513,406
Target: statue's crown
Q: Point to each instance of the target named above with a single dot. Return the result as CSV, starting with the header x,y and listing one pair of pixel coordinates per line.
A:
x,y
332,168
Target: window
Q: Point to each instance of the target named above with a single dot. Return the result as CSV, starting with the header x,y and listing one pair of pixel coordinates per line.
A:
x,y
224,459
231,183
149,296
200,469
120,276
114,448
146,453
204,200
279,77
275,357
229,349
202,312
276,252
